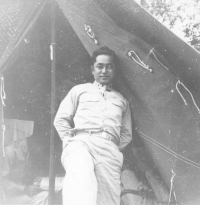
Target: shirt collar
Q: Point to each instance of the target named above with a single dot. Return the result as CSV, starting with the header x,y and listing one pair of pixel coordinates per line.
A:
x,y
108,87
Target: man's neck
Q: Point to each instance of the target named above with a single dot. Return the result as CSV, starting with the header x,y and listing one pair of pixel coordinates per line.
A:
x,y
102,85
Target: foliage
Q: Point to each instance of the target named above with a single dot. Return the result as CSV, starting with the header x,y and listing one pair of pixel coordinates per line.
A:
x,y
181,16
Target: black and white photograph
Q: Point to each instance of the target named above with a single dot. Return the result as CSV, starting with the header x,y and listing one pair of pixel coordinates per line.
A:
x,y
100,102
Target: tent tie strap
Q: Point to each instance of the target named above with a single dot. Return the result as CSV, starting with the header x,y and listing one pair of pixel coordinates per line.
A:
x,y
3,97
133,55
3,94
90,33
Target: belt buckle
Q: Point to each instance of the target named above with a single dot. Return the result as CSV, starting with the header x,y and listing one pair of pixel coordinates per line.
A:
x,y
106,136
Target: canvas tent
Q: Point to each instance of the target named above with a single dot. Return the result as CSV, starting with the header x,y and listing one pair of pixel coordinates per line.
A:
x,y
171,125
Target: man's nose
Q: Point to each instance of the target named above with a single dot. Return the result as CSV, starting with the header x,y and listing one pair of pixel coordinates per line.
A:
x,y
104,70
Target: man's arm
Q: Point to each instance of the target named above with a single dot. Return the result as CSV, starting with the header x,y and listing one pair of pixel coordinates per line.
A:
x,y
126,129
64,117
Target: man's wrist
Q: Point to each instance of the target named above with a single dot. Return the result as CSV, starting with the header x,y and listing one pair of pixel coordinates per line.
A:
x,y
70,133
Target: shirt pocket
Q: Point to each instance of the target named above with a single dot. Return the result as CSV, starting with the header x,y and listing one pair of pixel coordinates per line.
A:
x,y
89,98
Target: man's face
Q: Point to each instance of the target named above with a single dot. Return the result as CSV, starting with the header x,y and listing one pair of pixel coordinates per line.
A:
x,y
104,69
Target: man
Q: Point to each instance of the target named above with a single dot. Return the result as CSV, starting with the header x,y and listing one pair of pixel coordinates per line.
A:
x,y
102,126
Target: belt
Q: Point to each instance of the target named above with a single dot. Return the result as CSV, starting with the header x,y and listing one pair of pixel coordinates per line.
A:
x,y
101,134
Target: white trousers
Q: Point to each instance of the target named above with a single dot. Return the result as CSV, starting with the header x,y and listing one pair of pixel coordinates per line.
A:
x,y
93,169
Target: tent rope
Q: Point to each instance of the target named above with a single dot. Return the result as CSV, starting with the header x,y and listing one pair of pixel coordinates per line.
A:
x,y
154,55
166,149
3,97
133,55
178,82
171,186
193,100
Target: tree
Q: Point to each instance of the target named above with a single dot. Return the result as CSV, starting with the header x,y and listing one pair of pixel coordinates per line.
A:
x,y
181,16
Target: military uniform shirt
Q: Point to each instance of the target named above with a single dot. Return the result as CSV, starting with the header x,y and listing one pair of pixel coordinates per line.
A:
x,y
92,106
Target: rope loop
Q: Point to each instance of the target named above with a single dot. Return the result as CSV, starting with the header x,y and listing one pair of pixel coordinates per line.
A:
x,y
3,139
3,97
3,94
90,33
154,55
133,55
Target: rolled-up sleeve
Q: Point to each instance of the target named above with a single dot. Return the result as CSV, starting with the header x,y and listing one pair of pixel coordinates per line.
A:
x,y
126,129
64,117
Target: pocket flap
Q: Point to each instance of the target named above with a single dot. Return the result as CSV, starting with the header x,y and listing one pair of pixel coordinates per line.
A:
x,y
118,103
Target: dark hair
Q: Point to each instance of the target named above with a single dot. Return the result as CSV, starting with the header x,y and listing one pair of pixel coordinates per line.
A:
x,y
104,51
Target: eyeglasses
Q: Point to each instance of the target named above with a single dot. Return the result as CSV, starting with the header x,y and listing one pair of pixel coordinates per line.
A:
x,y
107,66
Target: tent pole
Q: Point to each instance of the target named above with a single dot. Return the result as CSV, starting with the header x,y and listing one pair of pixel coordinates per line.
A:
x,y
53,93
